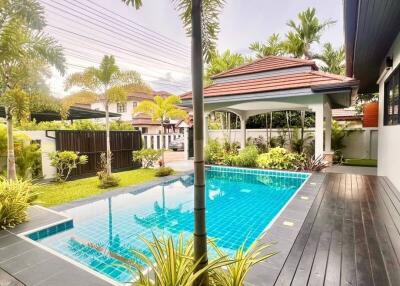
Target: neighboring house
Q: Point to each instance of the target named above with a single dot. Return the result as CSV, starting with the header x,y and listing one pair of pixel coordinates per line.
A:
x,y
142,121
347,115
372,40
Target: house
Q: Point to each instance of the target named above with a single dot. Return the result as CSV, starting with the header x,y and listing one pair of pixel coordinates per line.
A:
x,y
277,83
141,121
372,43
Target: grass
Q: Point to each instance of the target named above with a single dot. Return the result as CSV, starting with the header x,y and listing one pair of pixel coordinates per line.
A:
x,y
361,162
59,193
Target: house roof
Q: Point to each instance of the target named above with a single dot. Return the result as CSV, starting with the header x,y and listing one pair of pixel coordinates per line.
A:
x,y
309,79
268,63
370,28
74,112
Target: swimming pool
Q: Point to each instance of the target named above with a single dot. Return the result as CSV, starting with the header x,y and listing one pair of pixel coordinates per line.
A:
x,y
240,205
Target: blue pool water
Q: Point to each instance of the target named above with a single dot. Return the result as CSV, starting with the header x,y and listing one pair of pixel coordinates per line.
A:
x,y
240,205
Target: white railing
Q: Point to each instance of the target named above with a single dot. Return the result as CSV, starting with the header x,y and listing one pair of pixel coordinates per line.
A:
x,y
153,141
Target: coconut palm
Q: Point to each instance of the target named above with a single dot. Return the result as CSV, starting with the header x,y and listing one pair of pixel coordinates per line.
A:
x,y
200,18
22,46
108,84
302,35
223,62
334,59
272,47
162,110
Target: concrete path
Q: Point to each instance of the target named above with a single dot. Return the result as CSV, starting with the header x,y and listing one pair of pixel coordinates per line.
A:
x,y
372,171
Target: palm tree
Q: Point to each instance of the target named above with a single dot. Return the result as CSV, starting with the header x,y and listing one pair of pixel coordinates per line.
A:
x,y
161,110
108,84
200,18
334,59
22,45
272,47
304,34
223,62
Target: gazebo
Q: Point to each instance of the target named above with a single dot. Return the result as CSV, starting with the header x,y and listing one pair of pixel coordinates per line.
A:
x,y
278,83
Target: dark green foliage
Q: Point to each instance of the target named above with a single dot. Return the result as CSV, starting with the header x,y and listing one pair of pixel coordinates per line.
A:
x,y
164,171
247,157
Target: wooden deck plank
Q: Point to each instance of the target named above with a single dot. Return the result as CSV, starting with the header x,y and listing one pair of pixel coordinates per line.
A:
x,y
350,236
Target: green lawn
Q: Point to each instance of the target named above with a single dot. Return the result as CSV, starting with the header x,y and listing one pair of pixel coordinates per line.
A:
x,y
361,162
59,193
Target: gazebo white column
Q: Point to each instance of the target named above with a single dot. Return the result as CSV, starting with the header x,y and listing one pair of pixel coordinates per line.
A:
x,y
319,129
243,119
328,128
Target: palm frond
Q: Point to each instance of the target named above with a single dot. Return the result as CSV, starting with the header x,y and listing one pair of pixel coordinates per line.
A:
x,y
116,94
135,3
88,79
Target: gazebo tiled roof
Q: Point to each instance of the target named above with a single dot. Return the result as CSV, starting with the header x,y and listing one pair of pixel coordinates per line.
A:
x,y
311,79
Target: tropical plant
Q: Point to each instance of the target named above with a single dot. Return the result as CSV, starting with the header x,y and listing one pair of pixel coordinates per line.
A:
x,y
334,59
222,62
200,18
15,198
171,263
302,35
106,180
27,154
24,47
280,158
214,152
164,171
108,84
119,125
272,47
338,133
243,260
247,157
162,110
313,164
260,143
65,162
148,157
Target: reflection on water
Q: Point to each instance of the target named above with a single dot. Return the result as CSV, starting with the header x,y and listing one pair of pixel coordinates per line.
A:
x,y
239,207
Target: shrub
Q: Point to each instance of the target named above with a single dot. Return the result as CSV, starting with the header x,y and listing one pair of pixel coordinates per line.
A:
x,y
314,164
280,158
108,181
213,152
65,162
260,143
15,198
247,157
163,171
148,157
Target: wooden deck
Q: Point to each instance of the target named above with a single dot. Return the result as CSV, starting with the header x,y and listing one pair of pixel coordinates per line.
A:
x,y
349,237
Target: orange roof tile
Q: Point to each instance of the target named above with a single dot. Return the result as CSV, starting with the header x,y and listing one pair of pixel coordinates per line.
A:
x,y
267,64
311,79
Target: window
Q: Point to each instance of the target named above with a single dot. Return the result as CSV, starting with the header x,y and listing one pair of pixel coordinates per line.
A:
x,y
134,104
392,99
121,107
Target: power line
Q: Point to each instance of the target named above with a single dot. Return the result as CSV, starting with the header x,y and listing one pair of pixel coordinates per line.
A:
x,y
107,27
115,46
133,22
138,28
156,81
69,40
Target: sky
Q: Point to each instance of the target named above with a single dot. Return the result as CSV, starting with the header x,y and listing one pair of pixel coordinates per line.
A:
x,y
152,41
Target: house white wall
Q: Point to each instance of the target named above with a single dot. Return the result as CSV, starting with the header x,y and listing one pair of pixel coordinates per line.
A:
x,y
125,116
389,136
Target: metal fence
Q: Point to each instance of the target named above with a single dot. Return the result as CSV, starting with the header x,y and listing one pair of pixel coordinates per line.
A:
x,y
153,141
93,143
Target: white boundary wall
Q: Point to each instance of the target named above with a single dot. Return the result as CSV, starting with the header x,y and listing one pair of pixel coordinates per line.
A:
x,y
361,143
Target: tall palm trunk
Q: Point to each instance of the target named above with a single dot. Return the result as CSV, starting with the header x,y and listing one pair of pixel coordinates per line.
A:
x,y
200,234
11,170
108,147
